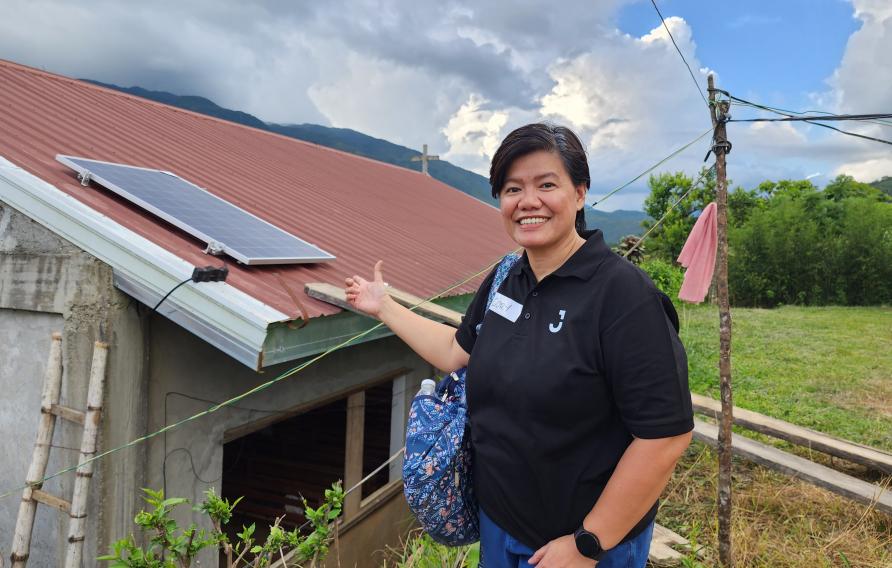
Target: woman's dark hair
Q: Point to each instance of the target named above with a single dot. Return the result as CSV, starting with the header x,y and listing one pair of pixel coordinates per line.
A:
x,y
550,138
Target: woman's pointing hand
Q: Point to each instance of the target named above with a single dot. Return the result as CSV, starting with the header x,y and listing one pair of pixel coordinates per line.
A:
x,y
367,296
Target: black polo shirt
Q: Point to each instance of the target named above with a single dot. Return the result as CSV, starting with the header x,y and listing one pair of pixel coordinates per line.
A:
x,y
556,396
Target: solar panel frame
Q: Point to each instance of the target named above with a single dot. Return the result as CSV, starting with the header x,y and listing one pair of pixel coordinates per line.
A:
x,y
84,170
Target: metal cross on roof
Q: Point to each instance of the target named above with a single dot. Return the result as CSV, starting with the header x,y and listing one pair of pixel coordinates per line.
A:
x,y
424,158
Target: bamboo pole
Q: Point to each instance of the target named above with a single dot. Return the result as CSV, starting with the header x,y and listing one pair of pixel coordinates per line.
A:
x,y
718,111
52,385
77,522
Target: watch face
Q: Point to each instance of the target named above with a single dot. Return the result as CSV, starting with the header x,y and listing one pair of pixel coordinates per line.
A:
x,y
587,544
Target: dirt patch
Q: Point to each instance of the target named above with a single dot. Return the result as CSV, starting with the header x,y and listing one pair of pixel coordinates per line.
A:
x,y
778,521
873,395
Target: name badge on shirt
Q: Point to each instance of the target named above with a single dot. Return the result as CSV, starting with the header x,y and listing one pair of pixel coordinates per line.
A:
x,y
506,307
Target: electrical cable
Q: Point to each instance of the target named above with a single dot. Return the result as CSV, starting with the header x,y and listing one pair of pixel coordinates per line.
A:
x,y
652,168
810,121
174,289
192,462
697,84
668,210
832,117
797,112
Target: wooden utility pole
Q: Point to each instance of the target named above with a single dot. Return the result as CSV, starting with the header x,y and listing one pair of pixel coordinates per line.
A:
x,y
718,111
424,158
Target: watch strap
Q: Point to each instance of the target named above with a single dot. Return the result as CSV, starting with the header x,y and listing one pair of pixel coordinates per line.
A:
x,y
588,544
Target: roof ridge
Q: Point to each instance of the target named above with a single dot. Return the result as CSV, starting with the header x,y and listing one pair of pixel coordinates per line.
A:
x,y
85,84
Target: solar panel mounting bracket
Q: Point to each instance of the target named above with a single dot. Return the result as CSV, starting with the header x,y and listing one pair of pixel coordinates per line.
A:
x,y
215,248
85,178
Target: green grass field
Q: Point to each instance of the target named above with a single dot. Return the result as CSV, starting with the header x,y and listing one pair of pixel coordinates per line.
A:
x,y
827,368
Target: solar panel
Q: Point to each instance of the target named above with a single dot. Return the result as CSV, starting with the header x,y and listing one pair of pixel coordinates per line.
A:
x,y
223,226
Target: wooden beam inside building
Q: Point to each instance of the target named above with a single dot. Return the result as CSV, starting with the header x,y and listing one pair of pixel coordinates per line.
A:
x,y
353,452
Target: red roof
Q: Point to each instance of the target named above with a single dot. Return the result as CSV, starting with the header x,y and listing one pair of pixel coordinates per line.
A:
x,y
430,235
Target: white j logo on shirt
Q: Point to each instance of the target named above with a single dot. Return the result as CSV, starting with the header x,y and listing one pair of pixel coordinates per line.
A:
x,y
556,328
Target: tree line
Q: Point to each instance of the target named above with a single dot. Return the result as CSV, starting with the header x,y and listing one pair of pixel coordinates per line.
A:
x,y
789,241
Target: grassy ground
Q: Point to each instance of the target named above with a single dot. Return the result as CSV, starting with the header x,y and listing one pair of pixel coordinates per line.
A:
x,y
829,369
825,368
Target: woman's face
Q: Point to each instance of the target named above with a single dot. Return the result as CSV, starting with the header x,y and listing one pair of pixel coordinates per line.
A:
x,y
539,201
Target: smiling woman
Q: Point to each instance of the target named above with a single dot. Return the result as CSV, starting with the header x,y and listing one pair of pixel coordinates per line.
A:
x,y
577,392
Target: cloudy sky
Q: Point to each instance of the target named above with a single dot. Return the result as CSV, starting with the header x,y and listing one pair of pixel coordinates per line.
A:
x,y
459,75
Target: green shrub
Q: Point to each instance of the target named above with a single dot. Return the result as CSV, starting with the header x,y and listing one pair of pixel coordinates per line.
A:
x,y
173,547
667,276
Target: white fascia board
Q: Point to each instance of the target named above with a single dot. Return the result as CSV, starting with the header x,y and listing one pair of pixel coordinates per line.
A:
x,y
222,315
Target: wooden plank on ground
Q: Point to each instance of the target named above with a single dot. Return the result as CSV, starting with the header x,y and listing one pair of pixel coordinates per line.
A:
x,y
779,460
336,296
662,554
857,453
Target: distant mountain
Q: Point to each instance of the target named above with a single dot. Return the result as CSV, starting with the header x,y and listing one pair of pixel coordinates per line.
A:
x,y
884,184
615,224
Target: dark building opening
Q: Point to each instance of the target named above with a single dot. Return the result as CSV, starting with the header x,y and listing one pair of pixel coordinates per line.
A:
x,y
299,457
376,446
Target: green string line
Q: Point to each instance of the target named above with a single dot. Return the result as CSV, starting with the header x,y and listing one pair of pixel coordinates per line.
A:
x,y
242,396
652,168
306,364
668,210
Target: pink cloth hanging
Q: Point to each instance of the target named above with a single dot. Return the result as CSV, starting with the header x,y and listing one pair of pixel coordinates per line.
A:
x,y
698,256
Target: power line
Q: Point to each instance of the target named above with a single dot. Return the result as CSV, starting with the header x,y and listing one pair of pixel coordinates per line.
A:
x,y
669,209
797,112
652,168
697,84
809,121
832,117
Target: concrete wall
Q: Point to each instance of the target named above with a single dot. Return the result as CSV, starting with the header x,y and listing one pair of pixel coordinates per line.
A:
x,y
25,342
47,284
182,364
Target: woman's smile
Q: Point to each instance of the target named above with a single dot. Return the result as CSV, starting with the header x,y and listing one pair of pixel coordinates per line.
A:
x,y
539,202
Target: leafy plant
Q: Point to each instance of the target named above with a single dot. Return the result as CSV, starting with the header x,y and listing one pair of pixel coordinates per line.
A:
x,y
666,276
173,547
419,550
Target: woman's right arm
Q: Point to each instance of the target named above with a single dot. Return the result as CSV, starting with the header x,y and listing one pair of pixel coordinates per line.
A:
x,y
434,342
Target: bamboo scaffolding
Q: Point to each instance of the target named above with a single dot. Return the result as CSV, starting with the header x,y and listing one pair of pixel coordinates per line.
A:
x,y
52,385
78,514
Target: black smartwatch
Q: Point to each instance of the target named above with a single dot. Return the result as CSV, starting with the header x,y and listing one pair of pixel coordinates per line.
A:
x,y
588,544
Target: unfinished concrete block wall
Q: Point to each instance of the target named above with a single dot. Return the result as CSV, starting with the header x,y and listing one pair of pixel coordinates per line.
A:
x,y
46,285
186,373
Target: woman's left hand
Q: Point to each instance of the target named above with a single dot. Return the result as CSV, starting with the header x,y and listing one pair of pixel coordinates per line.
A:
x,y
560,553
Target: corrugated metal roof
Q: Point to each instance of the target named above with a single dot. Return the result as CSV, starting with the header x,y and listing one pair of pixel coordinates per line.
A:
x,y
429,234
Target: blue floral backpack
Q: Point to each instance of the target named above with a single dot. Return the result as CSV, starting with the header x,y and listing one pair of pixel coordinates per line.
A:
x,y
437,464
